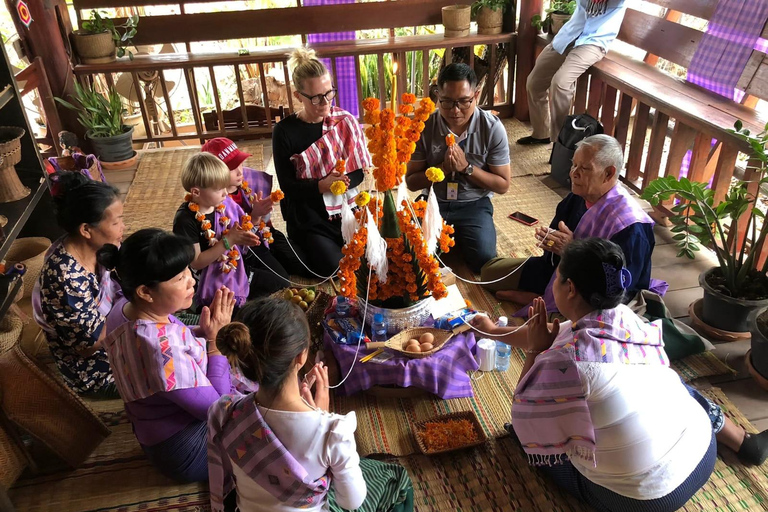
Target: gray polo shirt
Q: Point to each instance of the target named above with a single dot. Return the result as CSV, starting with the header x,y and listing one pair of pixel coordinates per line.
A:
x,y
486,144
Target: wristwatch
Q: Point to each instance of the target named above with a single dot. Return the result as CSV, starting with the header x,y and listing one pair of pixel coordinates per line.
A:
x,y
469,169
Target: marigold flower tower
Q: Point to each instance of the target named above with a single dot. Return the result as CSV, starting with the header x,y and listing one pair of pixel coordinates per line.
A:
x,y
391,243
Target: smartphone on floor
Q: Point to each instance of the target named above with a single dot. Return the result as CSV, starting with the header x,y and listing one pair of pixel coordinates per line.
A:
x,y
524,219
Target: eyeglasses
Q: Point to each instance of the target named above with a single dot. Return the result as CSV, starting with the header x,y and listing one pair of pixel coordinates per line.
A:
x,y
463,104
318,98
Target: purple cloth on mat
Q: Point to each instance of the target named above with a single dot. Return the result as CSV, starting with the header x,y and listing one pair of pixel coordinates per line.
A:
x,y
732,34
443,374
346,75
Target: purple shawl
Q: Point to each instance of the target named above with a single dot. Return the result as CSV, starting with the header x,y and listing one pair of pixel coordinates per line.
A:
x,y
612,213
213,277
109,290
549,410
237,432
149,358
258,181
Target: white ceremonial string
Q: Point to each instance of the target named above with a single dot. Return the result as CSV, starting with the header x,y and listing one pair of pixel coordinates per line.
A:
x,y
365,312
472,281
301,285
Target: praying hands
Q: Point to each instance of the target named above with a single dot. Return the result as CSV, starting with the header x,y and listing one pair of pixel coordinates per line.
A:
x,y
554,241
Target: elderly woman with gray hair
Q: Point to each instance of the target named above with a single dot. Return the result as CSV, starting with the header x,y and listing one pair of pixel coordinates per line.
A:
x,y
598,206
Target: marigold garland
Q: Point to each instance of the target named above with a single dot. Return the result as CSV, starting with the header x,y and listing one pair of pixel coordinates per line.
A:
x,y
362,199
413,274
277,196
338,187
229,259
435,175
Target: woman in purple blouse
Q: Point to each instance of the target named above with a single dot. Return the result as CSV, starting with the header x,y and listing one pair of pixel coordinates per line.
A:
x,y
168,374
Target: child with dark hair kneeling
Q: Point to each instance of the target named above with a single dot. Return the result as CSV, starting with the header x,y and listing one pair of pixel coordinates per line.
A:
x,y
297,456
167,375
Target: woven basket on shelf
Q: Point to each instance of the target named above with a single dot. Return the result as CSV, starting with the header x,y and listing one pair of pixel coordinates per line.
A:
x,y
10,331
398,341
31,252
11,188
42,406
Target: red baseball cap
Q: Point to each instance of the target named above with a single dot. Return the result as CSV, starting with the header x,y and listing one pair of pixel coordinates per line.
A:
x,y
227,151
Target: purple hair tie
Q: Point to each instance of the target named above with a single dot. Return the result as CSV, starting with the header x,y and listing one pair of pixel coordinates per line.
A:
x,y
616,280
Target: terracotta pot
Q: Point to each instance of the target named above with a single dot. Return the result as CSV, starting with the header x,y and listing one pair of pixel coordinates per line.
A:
x,y
94,48
558,20
456,20
489,21
11,188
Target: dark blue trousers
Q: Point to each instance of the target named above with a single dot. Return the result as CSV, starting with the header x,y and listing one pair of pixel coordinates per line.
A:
x,y
475,233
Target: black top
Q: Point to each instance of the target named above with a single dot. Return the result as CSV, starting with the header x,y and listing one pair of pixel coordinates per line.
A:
x,y
185,225
303,205
636,241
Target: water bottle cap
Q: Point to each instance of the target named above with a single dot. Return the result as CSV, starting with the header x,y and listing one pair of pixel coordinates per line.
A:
x,y
502,321
378,317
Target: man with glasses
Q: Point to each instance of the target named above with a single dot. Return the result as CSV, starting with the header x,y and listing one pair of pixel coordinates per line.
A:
x,y
475,167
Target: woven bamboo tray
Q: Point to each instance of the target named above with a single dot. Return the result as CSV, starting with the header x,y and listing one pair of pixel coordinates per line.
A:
x,y
418,429
398,341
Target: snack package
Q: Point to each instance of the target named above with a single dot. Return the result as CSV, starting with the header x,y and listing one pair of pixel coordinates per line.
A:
x,y
345,330
456,320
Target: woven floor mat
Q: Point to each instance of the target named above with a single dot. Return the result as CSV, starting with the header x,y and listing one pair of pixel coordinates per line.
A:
x,y
384,424
156,191
526,160
497,476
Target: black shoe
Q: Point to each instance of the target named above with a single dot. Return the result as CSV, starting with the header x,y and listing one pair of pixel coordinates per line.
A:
x,y
527,141
754,449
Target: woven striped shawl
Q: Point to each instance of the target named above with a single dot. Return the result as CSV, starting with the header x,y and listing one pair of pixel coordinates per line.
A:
x,y
237,432
149,358
342,139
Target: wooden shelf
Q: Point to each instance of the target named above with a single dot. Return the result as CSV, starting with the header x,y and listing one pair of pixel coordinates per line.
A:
x,y
19,211
5,95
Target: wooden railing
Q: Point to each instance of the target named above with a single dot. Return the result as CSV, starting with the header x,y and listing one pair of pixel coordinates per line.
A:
x,y
659,118
500,47
34,78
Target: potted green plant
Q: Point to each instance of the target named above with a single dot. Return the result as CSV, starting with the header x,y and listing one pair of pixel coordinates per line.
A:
x,y
99,40
559,12
489,15
102,117
738,286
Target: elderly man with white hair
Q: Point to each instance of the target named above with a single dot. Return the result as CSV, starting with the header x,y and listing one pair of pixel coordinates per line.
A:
x,y
598,206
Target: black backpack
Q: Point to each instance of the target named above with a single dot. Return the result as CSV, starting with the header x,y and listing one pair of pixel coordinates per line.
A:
x,y
574,129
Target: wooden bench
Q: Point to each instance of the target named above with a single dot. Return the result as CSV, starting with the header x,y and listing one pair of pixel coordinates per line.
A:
x,y
630,96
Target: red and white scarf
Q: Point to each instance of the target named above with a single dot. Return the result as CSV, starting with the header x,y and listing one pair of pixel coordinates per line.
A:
x,y
342,139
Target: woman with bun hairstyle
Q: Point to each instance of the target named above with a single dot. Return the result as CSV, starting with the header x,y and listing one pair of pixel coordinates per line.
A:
x,y
598,407
306,147
74,293
166,374
280,448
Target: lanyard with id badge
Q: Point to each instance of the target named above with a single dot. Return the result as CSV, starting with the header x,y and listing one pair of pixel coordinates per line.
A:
x,y
452,186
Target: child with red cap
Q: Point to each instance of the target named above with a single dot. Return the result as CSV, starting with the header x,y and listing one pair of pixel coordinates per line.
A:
x,y
251,189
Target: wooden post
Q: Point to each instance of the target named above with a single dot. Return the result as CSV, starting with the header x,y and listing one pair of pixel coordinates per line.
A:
x,y
526,54
44,39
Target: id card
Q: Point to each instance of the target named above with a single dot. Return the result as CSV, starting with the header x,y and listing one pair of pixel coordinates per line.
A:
x,y
452,193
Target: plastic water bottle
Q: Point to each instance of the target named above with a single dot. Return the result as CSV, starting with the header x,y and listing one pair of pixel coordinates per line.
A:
x,y
342,307
379,328
503,351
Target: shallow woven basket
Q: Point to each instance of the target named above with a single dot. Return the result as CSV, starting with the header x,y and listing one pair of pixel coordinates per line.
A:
x,y
10,331
31,252
398,341
46,409
419,427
